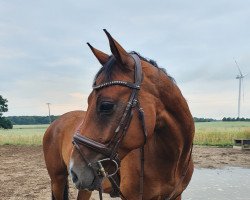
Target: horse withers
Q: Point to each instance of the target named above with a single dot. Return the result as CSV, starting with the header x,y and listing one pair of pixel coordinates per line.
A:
x,y
137,123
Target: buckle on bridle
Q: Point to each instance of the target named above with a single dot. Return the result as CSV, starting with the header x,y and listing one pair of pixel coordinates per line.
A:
x,y
102,170
134,103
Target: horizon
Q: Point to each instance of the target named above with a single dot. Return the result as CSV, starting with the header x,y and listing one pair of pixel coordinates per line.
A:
x,y
44,57
195,118
69,111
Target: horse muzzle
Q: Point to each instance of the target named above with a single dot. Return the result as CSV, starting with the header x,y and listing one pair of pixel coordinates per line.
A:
x,y
90,176
83,177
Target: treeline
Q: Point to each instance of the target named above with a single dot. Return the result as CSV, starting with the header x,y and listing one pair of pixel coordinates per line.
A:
x,y
196,119
225,119
27,120
230,119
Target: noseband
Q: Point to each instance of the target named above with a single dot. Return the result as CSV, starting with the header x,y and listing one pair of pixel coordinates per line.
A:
x,y
110,151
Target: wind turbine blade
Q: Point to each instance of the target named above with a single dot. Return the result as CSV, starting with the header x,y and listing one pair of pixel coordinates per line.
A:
x,y
244,75
238,67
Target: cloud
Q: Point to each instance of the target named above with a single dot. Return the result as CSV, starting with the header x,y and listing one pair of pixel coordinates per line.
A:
x,y
68,61
44,56
78,96
11,53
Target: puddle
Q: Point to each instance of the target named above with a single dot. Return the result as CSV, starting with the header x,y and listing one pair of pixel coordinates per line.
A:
x,y
219,184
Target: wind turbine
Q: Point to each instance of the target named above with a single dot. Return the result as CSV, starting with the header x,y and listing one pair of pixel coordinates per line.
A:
x,y
240,77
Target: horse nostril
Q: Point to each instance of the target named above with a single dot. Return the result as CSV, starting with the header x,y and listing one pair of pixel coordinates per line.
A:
x,y
74,176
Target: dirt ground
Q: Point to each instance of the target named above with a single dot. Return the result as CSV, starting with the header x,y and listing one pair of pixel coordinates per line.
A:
x,y
23,174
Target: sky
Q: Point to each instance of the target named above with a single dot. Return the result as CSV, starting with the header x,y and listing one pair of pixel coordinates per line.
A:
x,y
44,57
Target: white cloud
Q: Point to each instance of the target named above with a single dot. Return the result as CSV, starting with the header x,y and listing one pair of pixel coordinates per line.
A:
x,y
11,53
44,56
68,61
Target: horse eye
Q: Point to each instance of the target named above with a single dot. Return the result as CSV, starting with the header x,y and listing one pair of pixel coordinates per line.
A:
x,y
106,107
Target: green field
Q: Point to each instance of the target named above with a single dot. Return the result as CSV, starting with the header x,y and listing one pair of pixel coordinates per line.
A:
x,y
220,133
23,135
207,133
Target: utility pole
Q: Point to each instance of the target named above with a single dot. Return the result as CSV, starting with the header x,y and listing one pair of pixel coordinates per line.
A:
x,y
49,112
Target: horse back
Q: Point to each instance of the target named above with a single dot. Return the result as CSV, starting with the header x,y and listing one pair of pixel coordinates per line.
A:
x,y
57,142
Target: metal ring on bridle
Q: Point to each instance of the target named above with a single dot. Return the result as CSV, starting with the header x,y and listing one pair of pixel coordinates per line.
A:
x,y
102,170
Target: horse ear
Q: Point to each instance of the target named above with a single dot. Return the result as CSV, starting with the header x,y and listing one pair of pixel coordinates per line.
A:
x,y
101,57
117,50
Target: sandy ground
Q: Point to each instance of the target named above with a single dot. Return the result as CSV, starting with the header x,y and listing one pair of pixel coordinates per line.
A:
x,y
23,174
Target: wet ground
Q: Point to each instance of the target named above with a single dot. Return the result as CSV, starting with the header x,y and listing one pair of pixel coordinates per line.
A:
x,y
219,184
23,175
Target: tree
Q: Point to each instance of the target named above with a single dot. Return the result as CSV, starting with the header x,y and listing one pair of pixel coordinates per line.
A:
x,y
4,123
3,105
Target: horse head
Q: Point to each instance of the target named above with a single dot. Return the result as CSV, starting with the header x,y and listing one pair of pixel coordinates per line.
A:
x,y
131,101
114,123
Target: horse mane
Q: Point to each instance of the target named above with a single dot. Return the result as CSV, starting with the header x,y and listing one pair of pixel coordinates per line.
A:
x,y
107,69
154,63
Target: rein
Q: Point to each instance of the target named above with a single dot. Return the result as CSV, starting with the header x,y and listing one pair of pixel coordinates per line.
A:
x,y
110,151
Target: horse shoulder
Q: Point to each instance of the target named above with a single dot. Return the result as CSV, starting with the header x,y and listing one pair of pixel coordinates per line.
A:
x,y
57,140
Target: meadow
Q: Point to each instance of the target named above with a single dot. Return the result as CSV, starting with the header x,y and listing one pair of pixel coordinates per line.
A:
x,y
23,135
207,133
220,133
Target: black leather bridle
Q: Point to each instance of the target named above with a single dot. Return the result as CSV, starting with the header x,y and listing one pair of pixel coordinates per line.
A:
x,y
110,150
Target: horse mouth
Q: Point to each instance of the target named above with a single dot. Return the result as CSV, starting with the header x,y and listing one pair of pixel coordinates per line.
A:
x,y
95,185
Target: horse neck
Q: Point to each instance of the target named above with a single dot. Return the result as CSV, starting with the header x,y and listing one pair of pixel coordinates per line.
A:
x,y
174,119
174,127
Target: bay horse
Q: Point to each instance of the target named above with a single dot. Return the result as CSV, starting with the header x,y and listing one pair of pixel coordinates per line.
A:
x,y
166,165
57,147
137,131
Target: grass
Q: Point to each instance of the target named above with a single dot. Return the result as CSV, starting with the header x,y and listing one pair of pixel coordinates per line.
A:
x,y
23,135
220,133
207,133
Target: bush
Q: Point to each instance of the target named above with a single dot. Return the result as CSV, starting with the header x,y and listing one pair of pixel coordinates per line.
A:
x,y
5,123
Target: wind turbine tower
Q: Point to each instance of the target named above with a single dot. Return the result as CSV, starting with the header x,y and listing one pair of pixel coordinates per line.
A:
x,y
240,76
